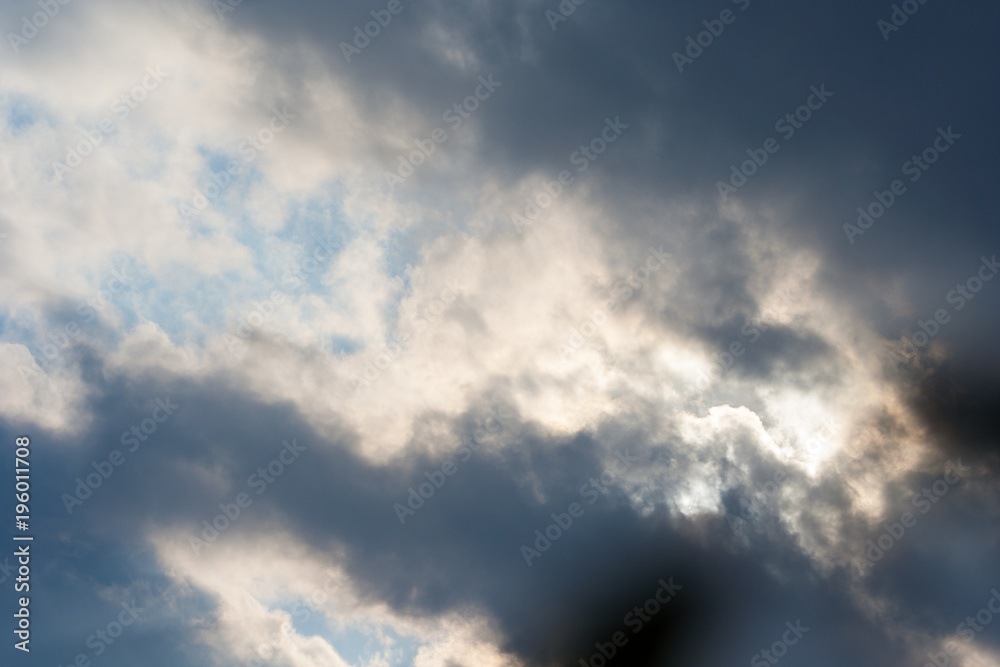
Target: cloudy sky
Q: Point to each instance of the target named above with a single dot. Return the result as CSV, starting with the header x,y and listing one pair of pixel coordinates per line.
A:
x,y
500,332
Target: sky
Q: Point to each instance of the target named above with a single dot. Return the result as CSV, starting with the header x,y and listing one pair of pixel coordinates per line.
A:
x,y
515,333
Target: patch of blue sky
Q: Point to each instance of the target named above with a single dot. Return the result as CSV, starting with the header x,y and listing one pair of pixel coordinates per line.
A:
x,y
358,645
401,652
128,309
283,259
23,327
307,620
188,304
344,346
21,112
400,253
215,159
319,216
89,308
120,284
316,232
31,328
19,118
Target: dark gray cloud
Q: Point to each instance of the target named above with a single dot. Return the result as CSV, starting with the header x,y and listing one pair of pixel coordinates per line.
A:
x,y
461,550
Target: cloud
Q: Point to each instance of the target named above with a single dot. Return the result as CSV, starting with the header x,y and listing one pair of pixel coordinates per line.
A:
x,y
231,243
